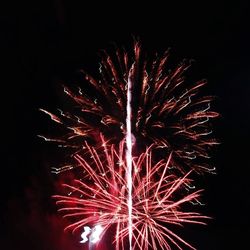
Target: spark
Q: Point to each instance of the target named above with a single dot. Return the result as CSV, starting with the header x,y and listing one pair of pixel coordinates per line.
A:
x,y
52,116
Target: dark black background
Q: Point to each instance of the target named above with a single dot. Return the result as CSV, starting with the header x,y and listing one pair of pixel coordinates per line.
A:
x,y
43,42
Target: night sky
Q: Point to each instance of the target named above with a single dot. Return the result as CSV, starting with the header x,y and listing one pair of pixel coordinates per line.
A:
x,y
43,43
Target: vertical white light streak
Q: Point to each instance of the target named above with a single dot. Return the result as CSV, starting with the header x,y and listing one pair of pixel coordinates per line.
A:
x,y
129,163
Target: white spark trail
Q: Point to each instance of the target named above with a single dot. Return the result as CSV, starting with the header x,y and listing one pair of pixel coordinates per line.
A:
x,y
129,163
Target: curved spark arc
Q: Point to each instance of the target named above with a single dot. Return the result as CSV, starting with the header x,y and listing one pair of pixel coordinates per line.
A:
x,y
101,198
129,161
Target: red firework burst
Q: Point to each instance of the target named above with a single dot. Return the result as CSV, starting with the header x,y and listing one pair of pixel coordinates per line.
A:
x,y
100,198
166,110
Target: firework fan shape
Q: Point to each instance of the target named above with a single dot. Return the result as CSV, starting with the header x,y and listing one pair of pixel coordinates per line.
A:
x,y
166,110
100,198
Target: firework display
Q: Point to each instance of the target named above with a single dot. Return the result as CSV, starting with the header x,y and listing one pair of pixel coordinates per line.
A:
x,y
135,134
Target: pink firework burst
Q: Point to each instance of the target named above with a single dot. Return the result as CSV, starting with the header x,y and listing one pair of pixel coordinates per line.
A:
x,y
99,197
166,110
